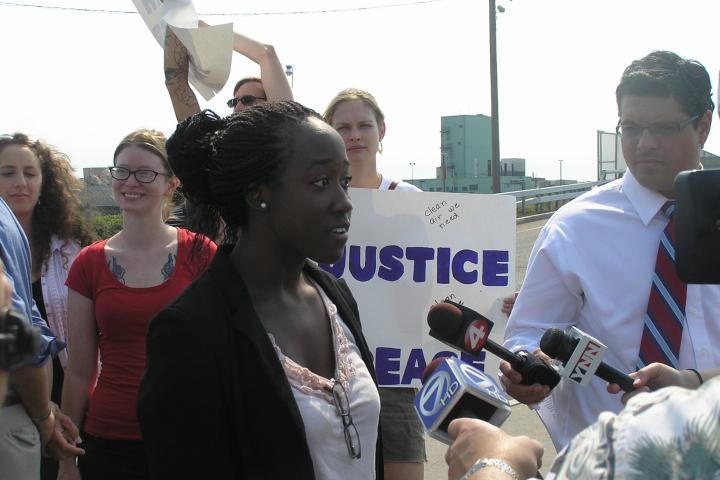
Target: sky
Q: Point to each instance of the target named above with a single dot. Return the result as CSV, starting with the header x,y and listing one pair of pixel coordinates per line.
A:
x,y
82,80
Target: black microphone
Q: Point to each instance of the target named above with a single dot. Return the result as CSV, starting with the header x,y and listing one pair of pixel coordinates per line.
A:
x,y
18,339
461,327
455,389
582,356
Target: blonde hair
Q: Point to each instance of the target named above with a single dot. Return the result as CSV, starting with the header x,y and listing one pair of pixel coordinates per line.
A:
x,y
350,94
151,140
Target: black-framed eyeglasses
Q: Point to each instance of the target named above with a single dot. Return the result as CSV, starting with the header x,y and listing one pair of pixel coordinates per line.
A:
x,y
342,405
247,100
658,130
142,175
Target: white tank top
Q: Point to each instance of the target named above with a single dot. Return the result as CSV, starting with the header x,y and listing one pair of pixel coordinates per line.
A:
x,y
324,429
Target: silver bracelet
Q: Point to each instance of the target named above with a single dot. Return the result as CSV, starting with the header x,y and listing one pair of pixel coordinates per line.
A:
x,y
490,462
42,418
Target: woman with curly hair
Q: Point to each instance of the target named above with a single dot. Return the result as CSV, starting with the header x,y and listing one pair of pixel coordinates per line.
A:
x,y
38,184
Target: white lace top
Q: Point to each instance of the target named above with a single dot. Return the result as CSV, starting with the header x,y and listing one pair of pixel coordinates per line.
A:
x,y
323,425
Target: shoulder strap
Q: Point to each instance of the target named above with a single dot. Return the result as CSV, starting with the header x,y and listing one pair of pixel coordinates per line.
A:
x,y
393,185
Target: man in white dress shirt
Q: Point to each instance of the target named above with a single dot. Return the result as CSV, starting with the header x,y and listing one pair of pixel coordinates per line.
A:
x,y
592,265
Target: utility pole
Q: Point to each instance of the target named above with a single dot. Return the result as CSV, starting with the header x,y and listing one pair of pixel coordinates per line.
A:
x,y
560,161
495,124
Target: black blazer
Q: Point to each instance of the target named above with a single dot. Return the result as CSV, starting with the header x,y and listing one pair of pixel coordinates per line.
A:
x,y
214,401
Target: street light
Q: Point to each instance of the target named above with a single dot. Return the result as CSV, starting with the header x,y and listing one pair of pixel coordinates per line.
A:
x,y
495,122
289,73
412,171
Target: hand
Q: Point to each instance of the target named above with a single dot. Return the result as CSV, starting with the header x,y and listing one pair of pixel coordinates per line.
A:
x,y
68,470
65,437
474,439
655,376
509,303
511,380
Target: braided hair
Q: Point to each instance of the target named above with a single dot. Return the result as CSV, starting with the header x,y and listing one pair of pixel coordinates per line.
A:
x,y
221,160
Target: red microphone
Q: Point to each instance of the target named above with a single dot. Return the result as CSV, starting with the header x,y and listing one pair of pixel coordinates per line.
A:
x,y
430,368
463,328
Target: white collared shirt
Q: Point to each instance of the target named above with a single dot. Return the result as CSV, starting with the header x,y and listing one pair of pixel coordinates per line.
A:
x,y
591,267
53,275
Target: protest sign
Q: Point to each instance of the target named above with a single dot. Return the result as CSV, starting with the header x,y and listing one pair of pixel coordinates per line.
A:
x,y
409,250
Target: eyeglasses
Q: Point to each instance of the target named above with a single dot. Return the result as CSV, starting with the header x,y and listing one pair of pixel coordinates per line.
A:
x,y
658,130
246,100
342,405
142,175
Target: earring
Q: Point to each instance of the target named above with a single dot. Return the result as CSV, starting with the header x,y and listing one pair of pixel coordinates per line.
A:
x,y
263,205
380,150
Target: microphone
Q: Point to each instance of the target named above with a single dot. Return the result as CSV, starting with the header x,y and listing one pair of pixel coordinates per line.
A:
x,y
582,356
461,327
455,389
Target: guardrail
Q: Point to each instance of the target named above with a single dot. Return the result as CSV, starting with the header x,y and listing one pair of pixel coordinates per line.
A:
x,y
548,195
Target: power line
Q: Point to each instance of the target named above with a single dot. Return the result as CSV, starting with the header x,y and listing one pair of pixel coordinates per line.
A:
x,y
72,9
239,14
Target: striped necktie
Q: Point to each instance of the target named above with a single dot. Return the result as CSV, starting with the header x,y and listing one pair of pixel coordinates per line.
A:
x,y
665,315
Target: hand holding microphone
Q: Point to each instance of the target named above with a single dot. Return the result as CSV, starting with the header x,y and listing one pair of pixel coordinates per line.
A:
x,y
461,327
582,356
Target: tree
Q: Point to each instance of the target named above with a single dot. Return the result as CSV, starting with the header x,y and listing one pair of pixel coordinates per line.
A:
x,y
105,226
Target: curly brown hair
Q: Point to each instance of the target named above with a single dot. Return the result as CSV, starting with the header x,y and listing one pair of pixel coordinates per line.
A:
x,y
59,210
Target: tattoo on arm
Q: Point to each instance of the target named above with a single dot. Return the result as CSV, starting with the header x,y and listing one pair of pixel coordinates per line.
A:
x,y
170,73
177,64
167,269
117,270
176,58
187,98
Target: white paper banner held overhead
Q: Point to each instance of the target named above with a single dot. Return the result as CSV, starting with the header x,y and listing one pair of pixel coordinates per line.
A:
x,y
210,48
